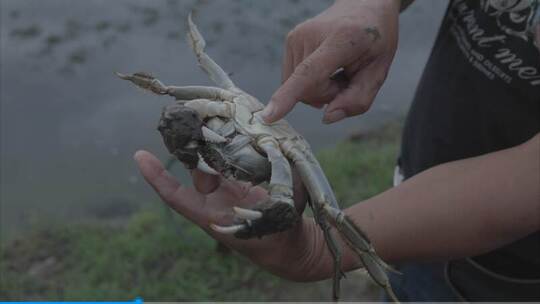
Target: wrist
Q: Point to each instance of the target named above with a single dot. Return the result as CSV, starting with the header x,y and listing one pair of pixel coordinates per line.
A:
x,y
317,262
307,252
297,254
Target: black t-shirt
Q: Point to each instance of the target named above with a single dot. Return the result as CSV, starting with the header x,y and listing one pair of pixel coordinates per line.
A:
x,y
479,93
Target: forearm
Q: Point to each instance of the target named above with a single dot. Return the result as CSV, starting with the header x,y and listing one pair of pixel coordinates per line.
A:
x,y
458,209
462,208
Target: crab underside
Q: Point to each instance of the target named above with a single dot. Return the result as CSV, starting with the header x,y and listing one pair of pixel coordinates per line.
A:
x,y
219,131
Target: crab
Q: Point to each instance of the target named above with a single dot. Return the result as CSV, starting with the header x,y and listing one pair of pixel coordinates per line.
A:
x,y
219,130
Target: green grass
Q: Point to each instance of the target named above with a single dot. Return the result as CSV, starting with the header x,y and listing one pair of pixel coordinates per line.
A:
x,y
149,258
360,169
145,258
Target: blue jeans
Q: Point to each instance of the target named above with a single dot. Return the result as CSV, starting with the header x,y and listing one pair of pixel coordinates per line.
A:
x,y
459,281
421,282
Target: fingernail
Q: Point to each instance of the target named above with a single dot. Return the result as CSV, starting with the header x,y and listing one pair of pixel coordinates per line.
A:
x,y
334,116
137,155
268,111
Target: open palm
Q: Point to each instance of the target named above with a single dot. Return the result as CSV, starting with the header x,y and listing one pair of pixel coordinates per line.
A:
x,y
216,207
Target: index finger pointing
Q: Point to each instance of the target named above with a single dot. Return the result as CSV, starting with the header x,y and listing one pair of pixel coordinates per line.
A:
x,y
311,76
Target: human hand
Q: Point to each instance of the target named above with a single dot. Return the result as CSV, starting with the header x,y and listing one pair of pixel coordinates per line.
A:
x,y
284,254
359,36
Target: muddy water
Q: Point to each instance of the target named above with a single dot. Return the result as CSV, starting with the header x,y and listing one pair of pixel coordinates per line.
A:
x,y
69,128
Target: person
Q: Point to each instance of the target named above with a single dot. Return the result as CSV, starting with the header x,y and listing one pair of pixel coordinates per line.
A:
x,y
465,222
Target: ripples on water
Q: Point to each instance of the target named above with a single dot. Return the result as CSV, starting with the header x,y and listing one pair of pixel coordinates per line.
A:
x,y
69,128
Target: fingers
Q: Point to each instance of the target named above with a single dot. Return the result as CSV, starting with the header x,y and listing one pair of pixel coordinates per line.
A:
x,y
185,201
288,64
205,183
310,78
308,65
241,191
358,96
156,175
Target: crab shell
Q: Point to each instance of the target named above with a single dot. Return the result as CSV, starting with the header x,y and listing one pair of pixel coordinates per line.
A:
x,y
182,131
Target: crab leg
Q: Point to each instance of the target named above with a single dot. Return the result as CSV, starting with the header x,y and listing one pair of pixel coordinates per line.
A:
x,y
208,108
325,206
145,81
320,194
281,177
358,242
270,217
214,71
278,213
333,246
200,92
182,93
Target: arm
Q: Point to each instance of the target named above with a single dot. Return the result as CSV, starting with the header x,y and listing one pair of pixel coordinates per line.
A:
x,y
458,209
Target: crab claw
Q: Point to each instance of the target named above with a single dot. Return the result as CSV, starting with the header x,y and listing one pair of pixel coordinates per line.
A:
x,y
227,230
145,81
247,214
123,76
212,136
204,167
